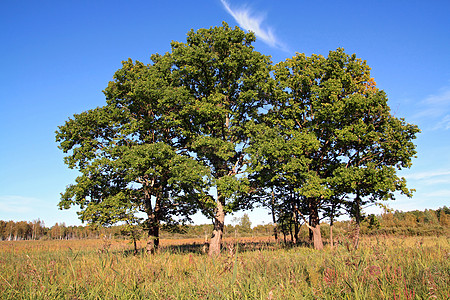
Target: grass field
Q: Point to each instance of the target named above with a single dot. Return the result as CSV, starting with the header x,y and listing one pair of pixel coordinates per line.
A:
x,y
382,268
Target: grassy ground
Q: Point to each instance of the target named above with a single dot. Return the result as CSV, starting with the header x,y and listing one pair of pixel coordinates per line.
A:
x,y
383,268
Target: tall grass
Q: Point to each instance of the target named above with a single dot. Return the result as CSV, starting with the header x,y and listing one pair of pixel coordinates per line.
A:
x,y
383,268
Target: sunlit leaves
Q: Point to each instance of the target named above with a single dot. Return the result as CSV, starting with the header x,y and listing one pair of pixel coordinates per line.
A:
x,y
355,144
215,112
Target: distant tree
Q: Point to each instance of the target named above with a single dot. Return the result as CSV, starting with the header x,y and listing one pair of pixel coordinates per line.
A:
x,y
23,230
37,229
245,224
132,230
55,231
3,230
430,216
443,210
444,219
410,220
374,223
443,214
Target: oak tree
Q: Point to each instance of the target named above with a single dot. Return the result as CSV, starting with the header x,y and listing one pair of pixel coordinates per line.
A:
x,y
130,155
225,81
361,144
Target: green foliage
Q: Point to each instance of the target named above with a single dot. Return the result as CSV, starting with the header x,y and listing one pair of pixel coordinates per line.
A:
x,y
224,81
373,222
307,136
130,152
329,138
245,225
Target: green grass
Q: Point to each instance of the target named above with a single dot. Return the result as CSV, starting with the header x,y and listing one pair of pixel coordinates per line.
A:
x,y
383,268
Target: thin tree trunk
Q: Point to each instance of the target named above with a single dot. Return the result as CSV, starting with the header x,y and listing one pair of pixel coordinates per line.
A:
x,y
331,235
357,211
296,228
275,229
290,231
296,201
356,235
205,244
216,239
135,245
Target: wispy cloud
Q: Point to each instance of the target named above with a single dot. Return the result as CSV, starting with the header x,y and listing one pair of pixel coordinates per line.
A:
x,y
436,109
439,194
251,22
444,123
21,208
17,204
427,174
430,178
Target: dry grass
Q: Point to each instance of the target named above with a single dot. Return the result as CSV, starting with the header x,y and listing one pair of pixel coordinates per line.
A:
x,y
383,268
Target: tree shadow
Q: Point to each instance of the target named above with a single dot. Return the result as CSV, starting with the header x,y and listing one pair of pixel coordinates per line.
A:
x,y
227,246
197,248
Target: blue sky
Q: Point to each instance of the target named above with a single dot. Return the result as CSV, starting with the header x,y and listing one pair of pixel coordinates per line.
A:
x,y
58,56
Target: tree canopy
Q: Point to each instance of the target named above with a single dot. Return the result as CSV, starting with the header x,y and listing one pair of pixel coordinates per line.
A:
x,y
328,137
214,126
131,155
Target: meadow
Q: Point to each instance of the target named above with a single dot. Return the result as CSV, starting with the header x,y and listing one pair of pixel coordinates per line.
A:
x,y
382,268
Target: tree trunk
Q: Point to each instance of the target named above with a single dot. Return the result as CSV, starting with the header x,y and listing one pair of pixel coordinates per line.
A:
x,y
356,235
331,235
314,226
290,231
205,244
296,228
153,223
135,245
275,229
153,235
318,243
216,239
357,212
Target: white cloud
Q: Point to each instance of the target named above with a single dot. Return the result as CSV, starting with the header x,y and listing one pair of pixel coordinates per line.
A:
x,y
250,22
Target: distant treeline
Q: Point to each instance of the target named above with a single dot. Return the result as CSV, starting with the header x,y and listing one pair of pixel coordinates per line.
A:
x,y
427,222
